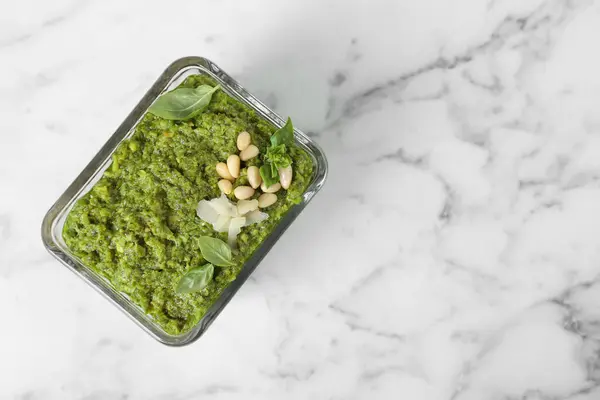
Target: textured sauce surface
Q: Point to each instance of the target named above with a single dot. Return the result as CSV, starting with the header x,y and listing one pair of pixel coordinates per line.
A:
x,y
138,226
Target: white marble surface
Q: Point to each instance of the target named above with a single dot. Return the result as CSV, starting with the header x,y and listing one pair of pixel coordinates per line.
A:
x,y
454,253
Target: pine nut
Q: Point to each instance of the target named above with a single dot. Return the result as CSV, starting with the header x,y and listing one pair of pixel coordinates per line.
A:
x,y
233,165
223,171
243,192
271,189
267,199
285,177
249,152
254,177
225,186
243,141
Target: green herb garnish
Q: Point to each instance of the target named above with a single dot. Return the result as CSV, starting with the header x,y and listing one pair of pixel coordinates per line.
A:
x,y
196,279
215,251
183,103
277,156
267,175
283,135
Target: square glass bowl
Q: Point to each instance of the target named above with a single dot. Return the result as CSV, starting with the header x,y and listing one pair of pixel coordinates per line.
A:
x,y
54,220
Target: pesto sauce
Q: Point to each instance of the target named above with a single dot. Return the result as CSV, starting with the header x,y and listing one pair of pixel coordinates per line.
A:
x,y
138,226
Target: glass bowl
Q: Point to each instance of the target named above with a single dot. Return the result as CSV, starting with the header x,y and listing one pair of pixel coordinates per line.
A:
x,y
54,220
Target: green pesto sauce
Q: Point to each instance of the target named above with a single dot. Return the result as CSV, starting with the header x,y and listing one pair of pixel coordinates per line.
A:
x,y
137,225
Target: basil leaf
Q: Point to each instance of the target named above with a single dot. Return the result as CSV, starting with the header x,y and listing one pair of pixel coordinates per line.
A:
x,y
278,156
284,135
266,174
183,103
215,251
196,279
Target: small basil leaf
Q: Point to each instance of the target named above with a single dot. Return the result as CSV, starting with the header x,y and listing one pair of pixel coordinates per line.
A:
x,y
284,135
274,173
266,175
196,279
215,251
183,103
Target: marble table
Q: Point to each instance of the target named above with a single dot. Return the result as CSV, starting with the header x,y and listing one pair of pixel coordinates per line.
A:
x,y
454,253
